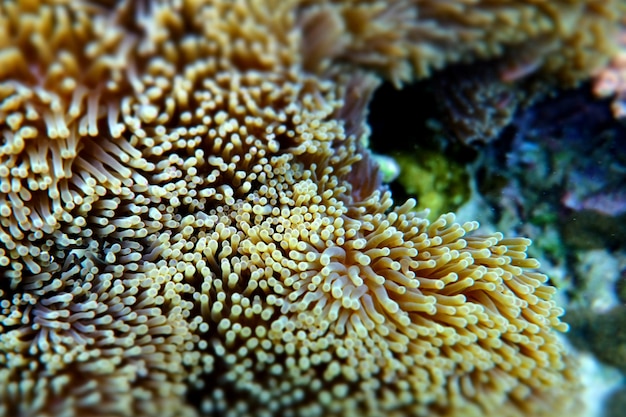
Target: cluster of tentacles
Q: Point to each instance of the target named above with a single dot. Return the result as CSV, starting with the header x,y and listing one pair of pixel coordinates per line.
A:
x,y
190,223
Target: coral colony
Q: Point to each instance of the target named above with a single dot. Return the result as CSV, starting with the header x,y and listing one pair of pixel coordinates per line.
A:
x,y
192,225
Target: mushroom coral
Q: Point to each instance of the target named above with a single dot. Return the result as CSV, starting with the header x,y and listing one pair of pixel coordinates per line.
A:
x,y
190,223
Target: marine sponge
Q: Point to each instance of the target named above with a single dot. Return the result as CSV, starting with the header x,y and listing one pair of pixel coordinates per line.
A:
x,y
221,243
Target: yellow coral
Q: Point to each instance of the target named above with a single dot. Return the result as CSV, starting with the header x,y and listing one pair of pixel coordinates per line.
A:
x,y
191,226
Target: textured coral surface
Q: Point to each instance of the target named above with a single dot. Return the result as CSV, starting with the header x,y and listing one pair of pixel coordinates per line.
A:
x,y
190,223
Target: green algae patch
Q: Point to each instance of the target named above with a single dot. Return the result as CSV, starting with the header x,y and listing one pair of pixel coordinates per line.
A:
x,y
434,180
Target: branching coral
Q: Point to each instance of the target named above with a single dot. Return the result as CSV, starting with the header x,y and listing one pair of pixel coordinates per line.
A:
x,y
190,224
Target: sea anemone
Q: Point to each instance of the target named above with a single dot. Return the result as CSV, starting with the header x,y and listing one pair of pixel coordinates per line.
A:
x,y
192,225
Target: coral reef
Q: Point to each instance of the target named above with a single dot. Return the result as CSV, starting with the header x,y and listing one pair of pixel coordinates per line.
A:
x,y
562,183
544,181
190,223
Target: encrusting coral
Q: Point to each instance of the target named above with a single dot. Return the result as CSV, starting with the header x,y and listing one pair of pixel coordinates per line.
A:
x,y
190,224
